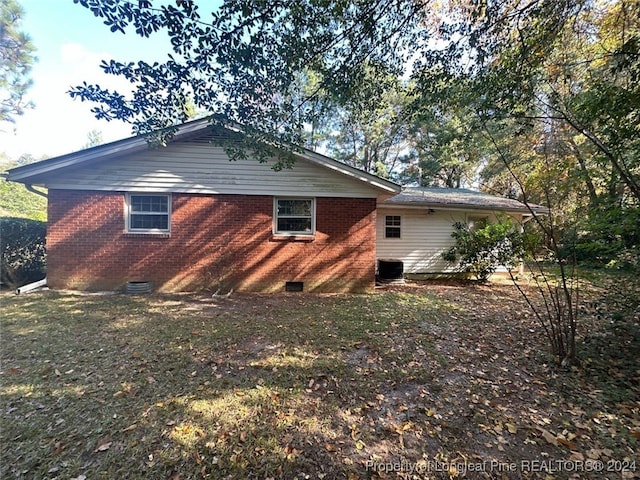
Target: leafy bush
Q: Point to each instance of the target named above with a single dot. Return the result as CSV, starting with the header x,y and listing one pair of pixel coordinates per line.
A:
x,y
482,251
609,236
22,251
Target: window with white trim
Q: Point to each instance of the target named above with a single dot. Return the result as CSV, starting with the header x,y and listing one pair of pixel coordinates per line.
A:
x,y
148,213
294,216
392,226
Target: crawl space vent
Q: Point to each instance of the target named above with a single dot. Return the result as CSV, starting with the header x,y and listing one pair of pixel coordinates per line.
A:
x,y
390,270
138,288
293,286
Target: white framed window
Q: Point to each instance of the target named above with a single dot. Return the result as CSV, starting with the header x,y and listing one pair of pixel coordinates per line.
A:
x,y
392,226
148,213
294,216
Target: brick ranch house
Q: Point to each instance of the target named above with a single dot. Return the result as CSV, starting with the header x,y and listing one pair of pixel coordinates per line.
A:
x,y
185,217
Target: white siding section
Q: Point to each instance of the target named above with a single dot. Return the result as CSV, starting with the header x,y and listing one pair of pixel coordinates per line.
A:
x,y
424,237
205,168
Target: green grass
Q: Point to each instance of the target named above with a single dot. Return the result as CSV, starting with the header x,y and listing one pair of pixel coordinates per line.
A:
x,y
167,383
17,201
282,386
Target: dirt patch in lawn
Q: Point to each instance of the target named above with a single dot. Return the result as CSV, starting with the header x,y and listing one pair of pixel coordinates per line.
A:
x,y
428,380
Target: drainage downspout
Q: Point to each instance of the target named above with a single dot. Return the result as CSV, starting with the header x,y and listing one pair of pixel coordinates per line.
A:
x,y
31,286
33,190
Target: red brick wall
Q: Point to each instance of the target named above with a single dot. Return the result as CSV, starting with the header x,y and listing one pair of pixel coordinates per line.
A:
x,y
216,241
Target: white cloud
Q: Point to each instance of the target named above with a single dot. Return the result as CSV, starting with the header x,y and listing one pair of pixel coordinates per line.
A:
x,y
73,53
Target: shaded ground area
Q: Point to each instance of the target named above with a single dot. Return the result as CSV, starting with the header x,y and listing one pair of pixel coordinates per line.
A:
x,y
423,381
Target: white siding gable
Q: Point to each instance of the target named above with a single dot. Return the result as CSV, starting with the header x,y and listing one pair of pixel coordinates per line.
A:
x,y
186,167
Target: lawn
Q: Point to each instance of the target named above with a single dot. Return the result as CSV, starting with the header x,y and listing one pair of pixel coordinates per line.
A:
x,y
424,381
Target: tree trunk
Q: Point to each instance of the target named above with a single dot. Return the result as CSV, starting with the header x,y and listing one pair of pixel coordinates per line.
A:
x,y
584,173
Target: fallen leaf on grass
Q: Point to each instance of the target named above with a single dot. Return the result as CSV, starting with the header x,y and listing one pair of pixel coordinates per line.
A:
x,y
129,428
576,457
103,446
594,454
548,436
567,443
291,452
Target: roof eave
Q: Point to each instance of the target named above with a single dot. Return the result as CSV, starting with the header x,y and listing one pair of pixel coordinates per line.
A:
x,y
139,143
110,150
373,180
116,149
464,207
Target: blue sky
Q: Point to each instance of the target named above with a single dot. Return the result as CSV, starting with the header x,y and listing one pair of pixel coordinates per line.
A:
x,y
70,44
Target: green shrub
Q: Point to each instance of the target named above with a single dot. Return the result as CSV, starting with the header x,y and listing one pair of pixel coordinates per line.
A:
x,y
608,236
22,251
482,251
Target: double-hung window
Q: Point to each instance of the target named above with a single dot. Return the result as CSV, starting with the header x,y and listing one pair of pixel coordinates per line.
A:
x,y
294,216
148,213
392,226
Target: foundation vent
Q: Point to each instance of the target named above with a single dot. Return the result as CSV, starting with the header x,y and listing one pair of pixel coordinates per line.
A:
x,y
138,288
294,286
390,270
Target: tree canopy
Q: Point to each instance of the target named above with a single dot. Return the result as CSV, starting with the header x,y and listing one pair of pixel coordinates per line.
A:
x,y
537,100
17,55
243,60
570,64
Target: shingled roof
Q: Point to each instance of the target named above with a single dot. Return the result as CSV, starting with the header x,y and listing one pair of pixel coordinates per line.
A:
x,y
458,198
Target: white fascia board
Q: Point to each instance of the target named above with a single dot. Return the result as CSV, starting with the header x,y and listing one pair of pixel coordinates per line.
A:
x,y
344,169
117,148
123,147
